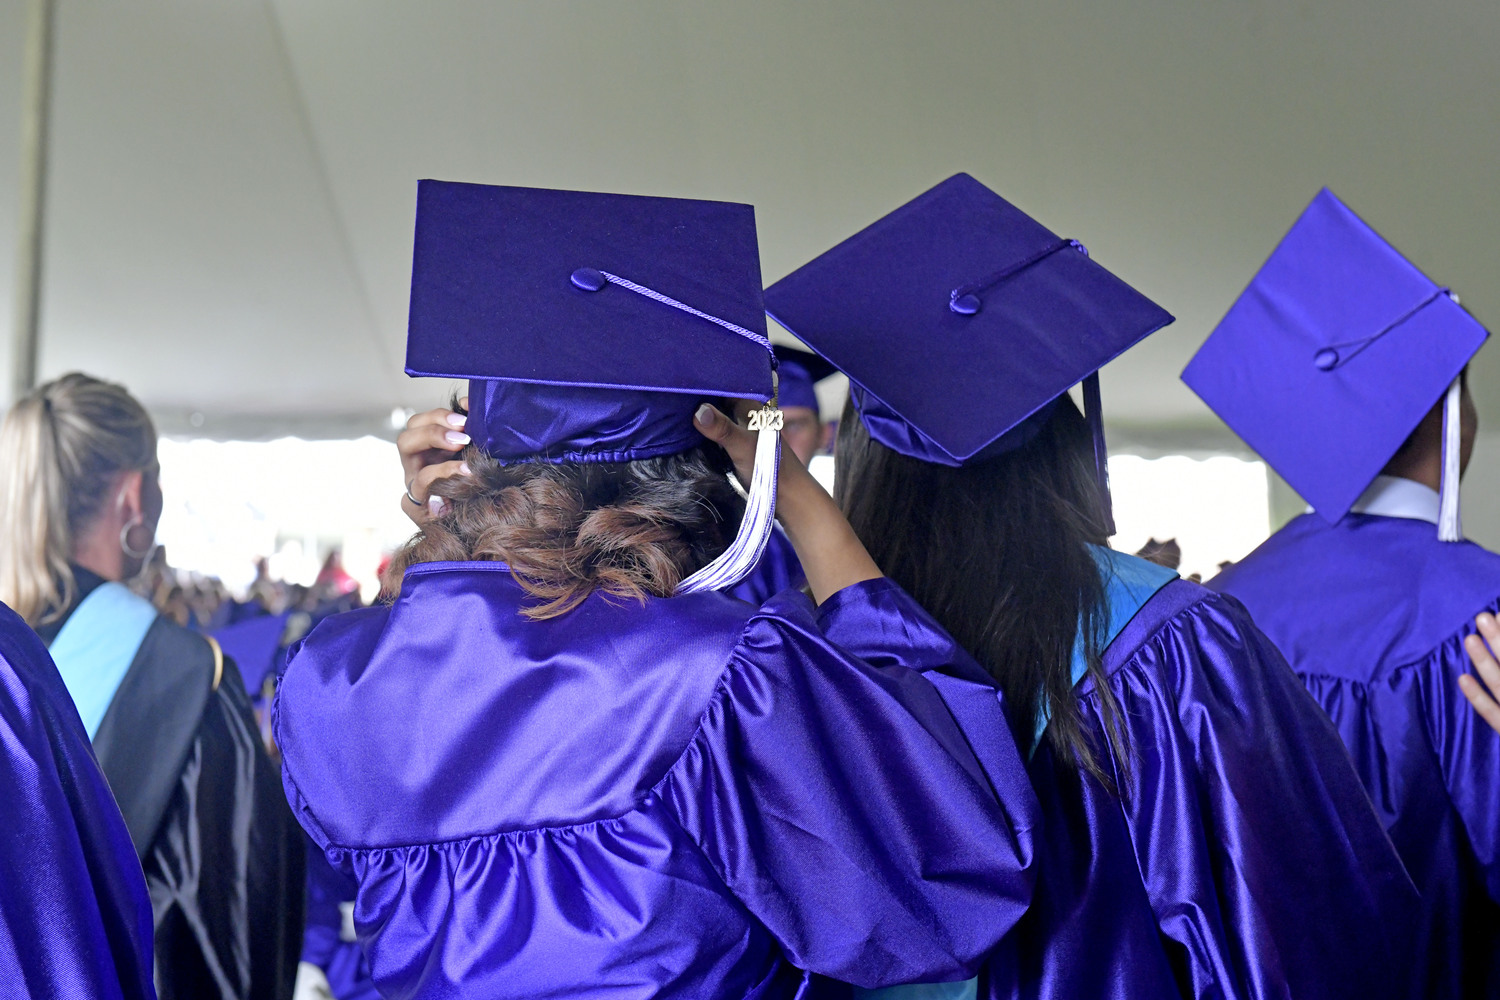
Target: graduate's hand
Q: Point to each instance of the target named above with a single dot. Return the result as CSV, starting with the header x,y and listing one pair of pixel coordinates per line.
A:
x,y
832,556
737,442
1482,696
428,448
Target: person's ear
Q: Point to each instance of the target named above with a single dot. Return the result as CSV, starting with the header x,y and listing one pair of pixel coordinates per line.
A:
x,y
128,496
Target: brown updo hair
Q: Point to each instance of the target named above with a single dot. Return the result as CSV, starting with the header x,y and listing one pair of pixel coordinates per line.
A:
x,y
629,529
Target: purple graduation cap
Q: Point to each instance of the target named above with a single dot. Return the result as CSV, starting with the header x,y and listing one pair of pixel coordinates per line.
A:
x,y
254,644
591,326
960,320
800,372
1332,356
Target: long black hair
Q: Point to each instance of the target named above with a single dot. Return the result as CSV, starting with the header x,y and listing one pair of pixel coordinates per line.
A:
x,y
998,552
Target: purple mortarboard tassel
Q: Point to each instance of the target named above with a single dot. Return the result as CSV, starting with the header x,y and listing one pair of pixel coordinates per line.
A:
x,y
1450,526
965,300
736,561
1093,412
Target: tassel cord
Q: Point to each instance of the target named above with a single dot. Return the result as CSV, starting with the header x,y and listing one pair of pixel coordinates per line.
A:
x,y
1450,523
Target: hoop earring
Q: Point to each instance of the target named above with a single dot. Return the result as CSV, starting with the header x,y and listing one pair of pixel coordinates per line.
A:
x,y
125,539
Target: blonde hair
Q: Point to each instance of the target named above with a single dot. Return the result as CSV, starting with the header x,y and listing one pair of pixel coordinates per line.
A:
x,y
60,449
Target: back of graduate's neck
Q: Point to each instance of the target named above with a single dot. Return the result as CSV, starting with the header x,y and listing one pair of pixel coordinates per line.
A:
x,y
1418,465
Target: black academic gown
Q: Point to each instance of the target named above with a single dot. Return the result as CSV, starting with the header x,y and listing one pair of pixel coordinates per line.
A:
x,y
223,856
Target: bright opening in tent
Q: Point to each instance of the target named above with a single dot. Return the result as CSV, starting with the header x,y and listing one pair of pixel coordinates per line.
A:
x,y
1218,509
229,503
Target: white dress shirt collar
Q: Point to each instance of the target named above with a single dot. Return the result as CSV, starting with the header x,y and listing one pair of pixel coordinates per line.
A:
x,y
1392,496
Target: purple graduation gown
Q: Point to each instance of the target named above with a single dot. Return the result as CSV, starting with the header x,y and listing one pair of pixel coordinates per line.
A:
x,y
324,942
1241,859
687,797
75,919
1371,613
778,569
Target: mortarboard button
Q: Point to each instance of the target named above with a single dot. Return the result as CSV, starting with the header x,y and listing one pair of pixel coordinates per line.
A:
x,y
966,302
1327,359
964,305
590,279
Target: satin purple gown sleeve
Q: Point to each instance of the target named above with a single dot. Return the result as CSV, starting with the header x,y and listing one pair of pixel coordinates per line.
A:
x,y
880,626
323,942
868,863
75,920
1469,753
1266,868
1433,768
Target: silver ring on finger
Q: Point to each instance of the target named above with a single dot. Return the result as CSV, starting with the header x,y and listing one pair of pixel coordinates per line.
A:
x,y
415,502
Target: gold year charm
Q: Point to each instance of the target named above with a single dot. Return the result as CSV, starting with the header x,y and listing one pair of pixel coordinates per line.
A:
x,y
766,419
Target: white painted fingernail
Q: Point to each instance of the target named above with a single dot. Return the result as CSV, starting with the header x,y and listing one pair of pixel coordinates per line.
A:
x,y
705,415
435,506
456,420
464,470
456,437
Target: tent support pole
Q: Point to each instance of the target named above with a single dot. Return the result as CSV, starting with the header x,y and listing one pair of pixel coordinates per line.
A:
x,y
34,117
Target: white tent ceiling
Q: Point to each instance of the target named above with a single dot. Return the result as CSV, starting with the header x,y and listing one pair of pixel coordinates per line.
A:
x,y
231,188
